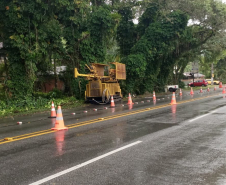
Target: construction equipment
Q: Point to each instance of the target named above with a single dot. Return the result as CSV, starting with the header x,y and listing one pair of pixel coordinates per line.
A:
x,y
103,82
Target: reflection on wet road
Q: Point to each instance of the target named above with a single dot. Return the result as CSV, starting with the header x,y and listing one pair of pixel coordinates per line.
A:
x,y
172,149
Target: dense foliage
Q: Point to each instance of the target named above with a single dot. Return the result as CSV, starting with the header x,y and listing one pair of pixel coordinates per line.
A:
x,y
151,55
166,41
39,35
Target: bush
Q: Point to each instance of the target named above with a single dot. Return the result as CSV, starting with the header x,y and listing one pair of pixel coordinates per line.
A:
x,y
39,102
55,93
181,84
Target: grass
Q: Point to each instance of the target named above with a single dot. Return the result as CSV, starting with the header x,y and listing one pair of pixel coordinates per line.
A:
x,y
22,111
42,110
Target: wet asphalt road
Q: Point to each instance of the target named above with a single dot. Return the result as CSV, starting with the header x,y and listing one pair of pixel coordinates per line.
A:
x,y
182,144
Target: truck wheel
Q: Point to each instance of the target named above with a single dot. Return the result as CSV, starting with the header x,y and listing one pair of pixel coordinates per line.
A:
x,y
106,99
170,89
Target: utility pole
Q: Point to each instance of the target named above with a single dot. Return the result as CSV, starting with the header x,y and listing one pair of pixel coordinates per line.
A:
x,y
212,74
195,69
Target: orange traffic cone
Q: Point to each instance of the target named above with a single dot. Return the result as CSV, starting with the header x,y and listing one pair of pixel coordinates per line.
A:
x,y
191,93
223,92
215,88
130,102
220,85
180,92
201,90
154,97
53,111
112,102
208,89
173,101
59,125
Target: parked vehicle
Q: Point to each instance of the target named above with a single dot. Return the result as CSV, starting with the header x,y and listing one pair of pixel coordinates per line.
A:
x,y
215,82
198,83
172,88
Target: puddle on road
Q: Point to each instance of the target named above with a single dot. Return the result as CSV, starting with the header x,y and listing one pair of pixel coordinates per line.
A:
x,y
59,136
123,131
116,132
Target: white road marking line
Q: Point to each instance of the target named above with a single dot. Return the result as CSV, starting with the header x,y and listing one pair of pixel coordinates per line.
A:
x,y
202,116
83,164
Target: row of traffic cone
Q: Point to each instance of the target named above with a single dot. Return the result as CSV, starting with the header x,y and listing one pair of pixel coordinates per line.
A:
x,y
208,90
59,124
130,102
173,101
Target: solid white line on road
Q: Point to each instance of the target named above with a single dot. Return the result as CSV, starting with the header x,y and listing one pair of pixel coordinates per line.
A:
x,y
83,164
202,116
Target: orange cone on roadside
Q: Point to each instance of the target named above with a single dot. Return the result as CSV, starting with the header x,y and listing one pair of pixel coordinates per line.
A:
x,y
201,90
53,111
215,88
154,97
223,92
191,93
220,85
112,102
59,125
208,89
180,92
130,102
173,101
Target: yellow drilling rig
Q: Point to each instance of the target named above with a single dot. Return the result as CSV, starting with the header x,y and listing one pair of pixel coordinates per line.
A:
x,y
103,82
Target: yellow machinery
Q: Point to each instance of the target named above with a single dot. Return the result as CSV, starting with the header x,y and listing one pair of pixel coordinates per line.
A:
x,y
103,82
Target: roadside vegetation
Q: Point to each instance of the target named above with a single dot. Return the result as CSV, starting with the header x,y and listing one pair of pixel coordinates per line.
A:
x,y
40,102
155,39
